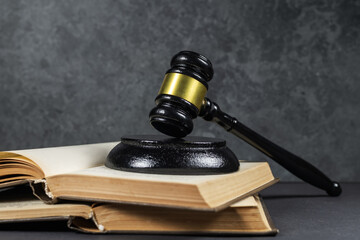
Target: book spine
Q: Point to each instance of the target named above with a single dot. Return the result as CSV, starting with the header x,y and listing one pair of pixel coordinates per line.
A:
x,y
40,190
85,225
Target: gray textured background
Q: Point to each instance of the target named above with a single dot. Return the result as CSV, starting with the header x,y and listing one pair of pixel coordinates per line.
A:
x,y
74,72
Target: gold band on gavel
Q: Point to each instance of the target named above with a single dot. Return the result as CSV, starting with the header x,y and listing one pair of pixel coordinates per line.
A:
x,y
185,87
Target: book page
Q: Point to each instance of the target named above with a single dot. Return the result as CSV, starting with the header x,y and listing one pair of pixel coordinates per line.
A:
x,y
59,160
246,202
19,203
103,171
28,209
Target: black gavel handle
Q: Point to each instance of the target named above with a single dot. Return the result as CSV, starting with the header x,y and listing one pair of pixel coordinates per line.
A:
x,y
294,164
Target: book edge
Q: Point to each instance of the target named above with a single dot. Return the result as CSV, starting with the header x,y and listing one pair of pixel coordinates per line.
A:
x,y
199,233
217,209
36,219
267,215
207,208
99,229
252,192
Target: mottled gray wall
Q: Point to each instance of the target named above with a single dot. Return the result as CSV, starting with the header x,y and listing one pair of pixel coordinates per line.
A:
x,y
75,72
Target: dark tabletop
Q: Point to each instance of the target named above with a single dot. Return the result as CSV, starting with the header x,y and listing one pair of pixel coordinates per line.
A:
x,y
298,210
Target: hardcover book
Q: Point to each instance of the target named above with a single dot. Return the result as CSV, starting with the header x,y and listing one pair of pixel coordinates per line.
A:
x,y
78,173
248,216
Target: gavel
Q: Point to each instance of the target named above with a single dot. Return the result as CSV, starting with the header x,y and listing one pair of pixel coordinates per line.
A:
x,y
182,97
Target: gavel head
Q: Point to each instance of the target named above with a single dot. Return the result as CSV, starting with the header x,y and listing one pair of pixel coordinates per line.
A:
x,y
181,94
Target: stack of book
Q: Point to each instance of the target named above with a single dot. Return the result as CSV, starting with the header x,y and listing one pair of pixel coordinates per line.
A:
x,y
73,183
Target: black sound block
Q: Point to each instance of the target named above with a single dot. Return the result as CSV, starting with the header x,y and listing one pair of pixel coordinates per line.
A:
x,y
164,155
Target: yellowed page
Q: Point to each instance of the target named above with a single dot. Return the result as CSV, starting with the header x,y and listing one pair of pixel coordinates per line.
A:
x,y
59,160
246,202
102,171
31,209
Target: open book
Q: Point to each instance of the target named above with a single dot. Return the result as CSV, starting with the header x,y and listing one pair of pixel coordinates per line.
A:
x,y
78,173
248,216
